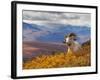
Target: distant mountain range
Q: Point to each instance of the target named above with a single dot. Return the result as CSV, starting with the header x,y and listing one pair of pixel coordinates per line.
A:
x,y
54,33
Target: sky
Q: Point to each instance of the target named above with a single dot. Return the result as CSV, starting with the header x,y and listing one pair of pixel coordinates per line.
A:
x,y
55,23
49,18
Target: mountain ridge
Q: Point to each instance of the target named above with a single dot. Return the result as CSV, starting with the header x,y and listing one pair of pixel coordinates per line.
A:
x,y
54,33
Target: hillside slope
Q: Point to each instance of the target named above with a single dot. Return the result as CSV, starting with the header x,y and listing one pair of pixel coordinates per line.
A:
x,y
61,59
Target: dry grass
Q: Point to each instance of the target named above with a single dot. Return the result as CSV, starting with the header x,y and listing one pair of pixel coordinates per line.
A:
x,y
60,60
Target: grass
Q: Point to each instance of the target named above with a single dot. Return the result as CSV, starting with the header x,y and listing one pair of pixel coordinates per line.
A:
x,y
59,59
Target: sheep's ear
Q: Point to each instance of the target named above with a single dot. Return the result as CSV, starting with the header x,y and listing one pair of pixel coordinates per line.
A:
x,y
64,41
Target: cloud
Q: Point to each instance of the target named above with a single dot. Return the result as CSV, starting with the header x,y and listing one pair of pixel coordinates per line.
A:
x,y
47,18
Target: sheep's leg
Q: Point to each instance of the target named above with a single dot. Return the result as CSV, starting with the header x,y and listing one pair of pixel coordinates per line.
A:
x,y
69,51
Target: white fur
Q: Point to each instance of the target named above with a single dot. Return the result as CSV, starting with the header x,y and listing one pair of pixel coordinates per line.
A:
x,y
75,46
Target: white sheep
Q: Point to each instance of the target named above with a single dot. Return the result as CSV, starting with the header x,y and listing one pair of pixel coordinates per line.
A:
x,y
73,45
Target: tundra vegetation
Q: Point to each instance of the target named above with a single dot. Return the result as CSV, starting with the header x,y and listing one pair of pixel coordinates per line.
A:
x,y
60,59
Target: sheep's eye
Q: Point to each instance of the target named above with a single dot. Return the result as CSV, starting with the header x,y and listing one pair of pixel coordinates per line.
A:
x,y
75,39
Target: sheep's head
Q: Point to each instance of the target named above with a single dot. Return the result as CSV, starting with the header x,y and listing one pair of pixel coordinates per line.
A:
x,y
70,38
